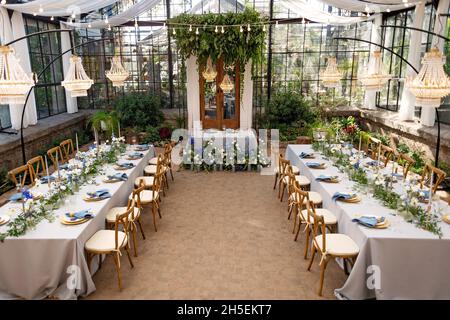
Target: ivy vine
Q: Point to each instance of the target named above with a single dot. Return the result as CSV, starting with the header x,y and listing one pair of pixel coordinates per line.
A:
x,y
232,45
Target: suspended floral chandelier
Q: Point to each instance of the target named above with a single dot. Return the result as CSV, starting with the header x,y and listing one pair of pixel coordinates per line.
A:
x,y
432,83
226,85
117,74
77,81
331,77
374,77
14,82
210,73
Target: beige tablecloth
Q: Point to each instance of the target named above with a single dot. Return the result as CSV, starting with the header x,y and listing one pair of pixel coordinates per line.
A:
x,y
412,263
50,260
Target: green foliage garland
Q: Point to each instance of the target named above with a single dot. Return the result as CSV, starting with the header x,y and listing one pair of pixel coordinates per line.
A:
x,y
233,45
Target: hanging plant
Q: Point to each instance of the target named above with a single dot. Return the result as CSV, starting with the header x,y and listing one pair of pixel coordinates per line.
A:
x,y
233,45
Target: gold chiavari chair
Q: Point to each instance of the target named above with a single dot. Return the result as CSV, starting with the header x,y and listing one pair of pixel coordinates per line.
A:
x,y
36,167
386,154
152,197
330,246
134,218
373,146
426,176
67,149
20,174
52,155
405,162
111,242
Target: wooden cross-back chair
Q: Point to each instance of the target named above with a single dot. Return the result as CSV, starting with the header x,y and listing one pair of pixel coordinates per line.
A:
x,y
67,149
386,154
373,146
152,197
277,171
168,158
159,167
36,167
329,246
405,161
112,241
426,176
20,174
51,153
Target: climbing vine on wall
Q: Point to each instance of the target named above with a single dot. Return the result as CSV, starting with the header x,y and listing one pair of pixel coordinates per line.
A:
x,y
233,45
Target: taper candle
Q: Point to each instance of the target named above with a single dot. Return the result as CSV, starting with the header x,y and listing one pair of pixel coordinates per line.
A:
x,y
359,148
46,168
118,124
57,166
76,139
431,186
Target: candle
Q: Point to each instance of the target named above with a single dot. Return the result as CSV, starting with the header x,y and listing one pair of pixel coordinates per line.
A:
x,y
46,168
360,135
379,156
76,140
57,166
431,186
118,124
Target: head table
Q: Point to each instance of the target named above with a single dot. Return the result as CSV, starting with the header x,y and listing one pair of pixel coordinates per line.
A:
x,y
50,260
411,263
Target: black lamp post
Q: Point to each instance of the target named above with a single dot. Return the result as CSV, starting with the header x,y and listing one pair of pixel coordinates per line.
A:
x,y
35,78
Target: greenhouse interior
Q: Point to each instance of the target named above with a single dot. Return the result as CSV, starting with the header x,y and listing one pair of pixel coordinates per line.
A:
x,y
224,149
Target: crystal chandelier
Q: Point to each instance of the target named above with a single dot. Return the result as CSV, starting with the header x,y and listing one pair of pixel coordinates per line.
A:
x,y
432,83
77,81
375,76
331,77
14,82
226,85
209,74
117,74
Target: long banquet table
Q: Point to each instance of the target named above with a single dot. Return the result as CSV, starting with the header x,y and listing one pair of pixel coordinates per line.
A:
x,y
411,263
50,260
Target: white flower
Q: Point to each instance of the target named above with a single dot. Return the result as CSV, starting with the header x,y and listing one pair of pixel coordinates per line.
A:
x,y
63,187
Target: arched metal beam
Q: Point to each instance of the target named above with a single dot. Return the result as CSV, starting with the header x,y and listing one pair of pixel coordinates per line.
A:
x,y
416,29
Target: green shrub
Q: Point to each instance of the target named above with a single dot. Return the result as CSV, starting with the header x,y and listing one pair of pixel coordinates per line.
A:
x,y
151,135
139,110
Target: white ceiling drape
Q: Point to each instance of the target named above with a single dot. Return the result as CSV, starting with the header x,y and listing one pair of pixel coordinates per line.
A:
x,y
375,6
304,9
59,8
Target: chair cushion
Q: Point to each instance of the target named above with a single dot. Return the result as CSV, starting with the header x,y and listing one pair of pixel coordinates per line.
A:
x,y
113,212
302,180
105,241
295,170
151,169
328,217
147,196
148,181
338,244
153,161
315,197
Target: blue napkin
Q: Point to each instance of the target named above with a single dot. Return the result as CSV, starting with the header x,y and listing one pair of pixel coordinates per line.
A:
x,y
83,214
426,193
119,176
102,194
304,155
64,166
142,147
46,178
16,197
369,222
313,164
372,163
136,155
397,175
324,178
127,165
345,196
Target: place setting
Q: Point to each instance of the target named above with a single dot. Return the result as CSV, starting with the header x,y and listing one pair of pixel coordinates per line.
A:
x,y
346,197
316,165
134,156
372,221
98,195
328,179
76,218
116,177
306,155
124,166
142,147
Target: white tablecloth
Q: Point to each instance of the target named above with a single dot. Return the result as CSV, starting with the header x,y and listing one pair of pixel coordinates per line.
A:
x,y
412,263
42,262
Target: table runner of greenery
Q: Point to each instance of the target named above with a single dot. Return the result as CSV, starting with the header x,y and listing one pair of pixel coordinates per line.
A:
x,y
86,166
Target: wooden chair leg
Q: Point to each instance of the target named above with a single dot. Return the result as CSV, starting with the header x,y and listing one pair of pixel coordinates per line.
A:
x,y
154,218
282,192
88,260
129,257
313,255
140,227
100,261
133,231
276,180
322,275
117,263
295,223
298,229
290,209
308,234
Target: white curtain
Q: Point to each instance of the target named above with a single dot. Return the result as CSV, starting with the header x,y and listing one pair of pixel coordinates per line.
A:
x,y
193,92
407,102
428,115
370,96
59,8
376,7
246,112
21,48
123,17
306,10
71,103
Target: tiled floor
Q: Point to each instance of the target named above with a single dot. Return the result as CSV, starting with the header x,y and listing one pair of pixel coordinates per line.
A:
x,y
223,235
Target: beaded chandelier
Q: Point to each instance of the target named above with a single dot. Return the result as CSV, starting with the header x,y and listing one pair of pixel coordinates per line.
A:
x,y
210,73
374,77
331,76
117,74
432,83
226,85
14,82
77,81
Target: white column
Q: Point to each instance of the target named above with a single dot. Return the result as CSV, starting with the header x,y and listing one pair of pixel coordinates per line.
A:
x,y
428,115
193,92
246,112
22,53
370,96
71,103
407,102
